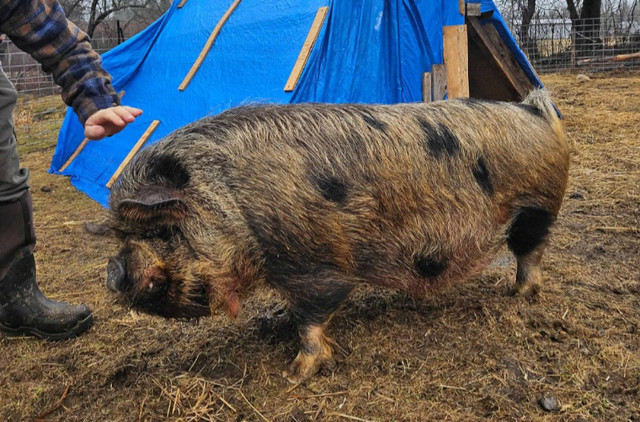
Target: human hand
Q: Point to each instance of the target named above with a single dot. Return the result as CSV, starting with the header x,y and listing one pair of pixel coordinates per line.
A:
x,y
109,121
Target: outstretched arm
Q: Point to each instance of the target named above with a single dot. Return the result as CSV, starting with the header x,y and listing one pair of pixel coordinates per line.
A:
x,y
41,28
109,121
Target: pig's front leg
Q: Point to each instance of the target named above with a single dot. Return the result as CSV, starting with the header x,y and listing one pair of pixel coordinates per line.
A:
x,y
315,353
313,300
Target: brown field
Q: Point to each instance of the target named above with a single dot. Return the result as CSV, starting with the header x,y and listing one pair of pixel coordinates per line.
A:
x,y
471,352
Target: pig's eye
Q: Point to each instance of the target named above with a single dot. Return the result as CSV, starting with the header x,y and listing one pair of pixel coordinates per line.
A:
x,y
120,234
164,233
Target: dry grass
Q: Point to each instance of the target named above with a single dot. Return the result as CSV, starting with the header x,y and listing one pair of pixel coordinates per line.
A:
x,y
471,352
37,122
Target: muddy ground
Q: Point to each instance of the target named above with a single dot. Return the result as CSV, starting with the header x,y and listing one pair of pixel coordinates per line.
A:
x,y
471,352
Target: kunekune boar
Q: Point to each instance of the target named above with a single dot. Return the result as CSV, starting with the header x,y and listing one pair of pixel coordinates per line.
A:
x,y
313,199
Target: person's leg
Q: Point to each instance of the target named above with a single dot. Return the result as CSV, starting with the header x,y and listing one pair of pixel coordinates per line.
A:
x,y
24,310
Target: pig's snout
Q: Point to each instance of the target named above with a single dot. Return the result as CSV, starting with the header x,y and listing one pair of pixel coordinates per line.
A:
x,y
115,274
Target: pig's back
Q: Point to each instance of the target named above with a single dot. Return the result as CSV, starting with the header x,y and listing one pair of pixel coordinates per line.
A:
x,y
406,196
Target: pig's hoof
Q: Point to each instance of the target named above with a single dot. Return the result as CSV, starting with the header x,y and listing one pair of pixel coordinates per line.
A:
x,y
305,366
526,290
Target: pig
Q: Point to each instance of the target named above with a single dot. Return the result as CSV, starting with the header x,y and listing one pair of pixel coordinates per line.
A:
x,y
314,199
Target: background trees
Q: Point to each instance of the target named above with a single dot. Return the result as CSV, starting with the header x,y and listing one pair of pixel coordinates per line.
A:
x,y
110,16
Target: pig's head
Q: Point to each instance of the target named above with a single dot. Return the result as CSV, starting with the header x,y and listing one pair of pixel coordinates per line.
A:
x,y
156,270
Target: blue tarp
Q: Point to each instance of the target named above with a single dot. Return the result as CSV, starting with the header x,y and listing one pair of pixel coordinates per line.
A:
x,y
370,51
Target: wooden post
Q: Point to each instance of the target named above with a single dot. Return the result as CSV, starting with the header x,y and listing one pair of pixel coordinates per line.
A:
x,y
439,82
312,36
469,8
456,57
208,45
426,87
181,4
147,133
473,9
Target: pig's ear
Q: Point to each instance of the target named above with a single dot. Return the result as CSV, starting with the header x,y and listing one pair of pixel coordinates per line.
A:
x,y
155,203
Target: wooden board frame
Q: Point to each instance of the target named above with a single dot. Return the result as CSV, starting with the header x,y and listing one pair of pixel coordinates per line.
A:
x,y
489,43
305,51
456,57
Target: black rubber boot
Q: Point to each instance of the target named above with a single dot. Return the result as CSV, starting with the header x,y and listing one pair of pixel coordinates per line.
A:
x,y
24,310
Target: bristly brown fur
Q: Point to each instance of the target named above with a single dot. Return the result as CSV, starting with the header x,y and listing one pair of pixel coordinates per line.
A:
x,y
315,198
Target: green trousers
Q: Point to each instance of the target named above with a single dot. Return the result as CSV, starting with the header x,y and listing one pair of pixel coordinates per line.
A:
x,y
16,226
13,179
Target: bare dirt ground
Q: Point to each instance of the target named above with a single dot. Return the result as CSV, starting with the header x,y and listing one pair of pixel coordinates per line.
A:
x,y
471,352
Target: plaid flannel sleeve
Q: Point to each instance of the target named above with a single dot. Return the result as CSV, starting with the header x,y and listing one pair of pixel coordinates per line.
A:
x,y
40,28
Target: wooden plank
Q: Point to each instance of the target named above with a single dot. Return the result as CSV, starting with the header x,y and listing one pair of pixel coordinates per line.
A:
x,y
181,4
312,36
439,82
473,9
617,58
461,7
426,87
147,133
73,156
208,45
456,56
486,79
500,54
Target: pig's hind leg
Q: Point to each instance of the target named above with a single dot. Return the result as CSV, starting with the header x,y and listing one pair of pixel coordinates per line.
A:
x,y
313,300
527,239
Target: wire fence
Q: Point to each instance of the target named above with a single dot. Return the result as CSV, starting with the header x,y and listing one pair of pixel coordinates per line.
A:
x,y
555,45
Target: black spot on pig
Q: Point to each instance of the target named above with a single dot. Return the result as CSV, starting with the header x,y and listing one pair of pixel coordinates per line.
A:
x,y
481,173
331,188
528,230
168,169
439,139
373,122
429,266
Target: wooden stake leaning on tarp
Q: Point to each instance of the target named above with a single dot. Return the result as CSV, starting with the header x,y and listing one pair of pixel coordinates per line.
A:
x,y
78,150
208,45
181,4
73,156
147,133
312,36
